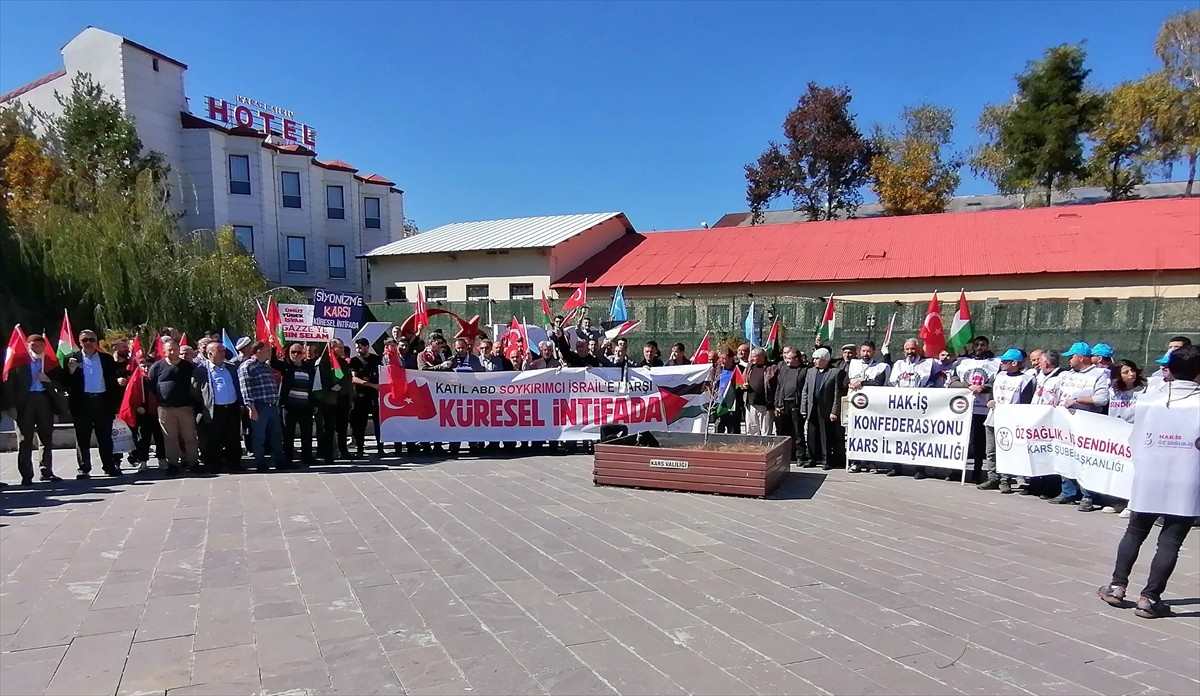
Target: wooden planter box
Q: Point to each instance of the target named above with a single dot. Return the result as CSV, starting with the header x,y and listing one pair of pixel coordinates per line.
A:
x,y
663,460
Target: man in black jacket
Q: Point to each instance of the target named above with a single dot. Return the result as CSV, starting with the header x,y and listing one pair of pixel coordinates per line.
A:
x,y
821,404
789,387
30,389
364,373
93,397
295,395
220,396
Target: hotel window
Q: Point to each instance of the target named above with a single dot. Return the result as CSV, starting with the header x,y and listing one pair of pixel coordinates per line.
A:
x,y
239,174
395,294
371,218
477,292
335,203
297,259
435,292
520,291
337,261
291,189
245,237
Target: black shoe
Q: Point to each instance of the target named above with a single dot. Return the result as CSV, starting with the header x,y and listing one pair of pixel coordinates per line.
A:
x,y
881,471
1151,608
919,475
25,482
81,476
113,471
989,485
1006,488
52,478
828,467
1062,500
1027,491
893,472
1086,505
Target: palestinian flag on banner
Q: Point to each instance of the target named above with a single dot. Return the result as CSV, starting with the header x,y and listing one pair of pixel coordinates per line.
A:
x,y
825,330
774,344
961,330
66,339
729,385
546,309
701,356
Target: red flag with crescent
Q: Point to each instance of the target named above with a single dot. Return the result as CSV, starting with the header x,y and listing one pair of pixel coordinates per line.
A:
x,y
933,334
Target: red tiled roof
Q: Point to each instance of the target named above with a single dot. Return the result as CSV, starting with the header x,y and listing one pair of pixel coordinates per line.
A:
x,y
375,179
32,85
336,165
290,149
1144,235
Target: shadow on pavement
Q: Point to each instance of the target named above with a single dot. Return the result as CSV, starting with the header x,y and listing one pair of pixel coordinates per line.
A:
x,y
799,485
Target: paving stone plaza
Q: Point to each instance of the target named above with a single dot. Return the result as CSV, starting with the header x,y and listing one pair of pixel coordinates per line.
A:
x,y
518,576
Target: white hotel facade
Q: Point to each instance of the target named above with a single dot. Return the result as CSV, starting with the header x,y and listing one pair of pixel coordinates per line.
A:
x,y
306,220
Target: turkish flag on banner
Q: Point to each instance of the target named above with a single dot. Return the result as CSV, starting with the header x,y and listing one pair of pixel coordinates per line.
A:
x,y
417,402
577,298
933,334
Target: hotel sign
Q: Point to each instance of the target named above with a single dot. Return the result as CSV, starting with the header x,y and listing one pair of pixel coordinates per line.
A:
x,y
245,112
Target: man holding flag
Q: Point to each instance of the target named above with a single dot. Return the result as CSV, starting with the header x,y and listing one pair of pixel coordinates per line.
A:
x,y
30,391
93,397
730,393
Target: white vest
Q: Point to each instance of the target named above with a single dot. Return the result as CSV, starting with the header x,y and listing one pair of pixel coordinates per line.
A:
x,y
978,372
912,374
1166,452
867,372
1086,383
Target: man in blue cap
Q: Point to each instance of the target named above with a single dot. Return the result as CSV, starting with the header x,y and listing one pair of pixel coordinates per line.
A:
x,y
1158,381
1102,357
1084,388
1011,385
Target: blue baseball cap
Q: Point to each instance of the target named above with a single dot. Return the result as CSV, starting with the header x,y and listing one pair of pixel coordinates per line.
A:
x,y
1078,348
1164,359
1013,355
1103,350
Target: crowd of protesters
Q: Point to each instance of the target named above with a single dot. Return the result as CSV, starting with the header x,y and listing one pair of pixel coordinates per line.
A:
x,y
201,407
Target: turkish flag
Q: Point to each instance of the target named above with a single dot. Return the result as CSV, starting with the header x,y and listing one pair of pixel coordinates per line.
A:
x,y
416,403
513,342
577,298
136,350
422,313
933,334
396,374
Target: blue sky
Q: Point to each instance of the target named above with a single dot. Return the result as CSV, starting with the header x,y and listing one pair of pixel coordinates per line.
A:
x,y
492,110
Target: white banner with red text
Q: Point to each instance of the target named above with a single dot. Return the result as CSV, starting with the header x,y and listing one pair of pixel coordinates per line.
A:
x,y
541,405
922,427
1040,440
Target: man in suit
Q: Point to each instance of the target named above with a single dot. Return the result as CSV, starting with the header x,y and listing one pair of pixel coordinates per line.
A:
x,y
220,395
821,403
31,393
93,397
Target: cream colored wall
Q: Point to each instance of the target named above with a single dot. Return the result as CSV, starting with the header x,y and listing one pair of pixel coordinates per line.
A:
x,y
457,271
567,256
1068,286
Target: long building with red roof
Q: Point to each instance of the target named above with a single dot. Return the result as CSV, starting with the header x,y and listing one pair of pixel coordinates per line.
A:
x,y
1142,248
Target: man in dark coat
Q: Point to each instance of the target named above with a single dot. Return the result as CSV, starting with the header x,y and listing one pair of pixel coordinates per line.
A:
x,y
789,418
821,404
30,390
93,397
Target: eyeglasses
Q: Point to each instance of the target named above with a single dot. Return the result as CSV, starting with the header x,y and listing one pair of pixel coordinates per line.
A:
x,y
87,340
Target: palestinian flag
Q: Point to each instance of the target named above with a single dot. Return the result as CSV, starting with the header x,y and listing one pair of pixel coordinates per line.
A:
x,y
729,384
66,340
335,365
961,331
546,309
774,344
825,330
701,356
